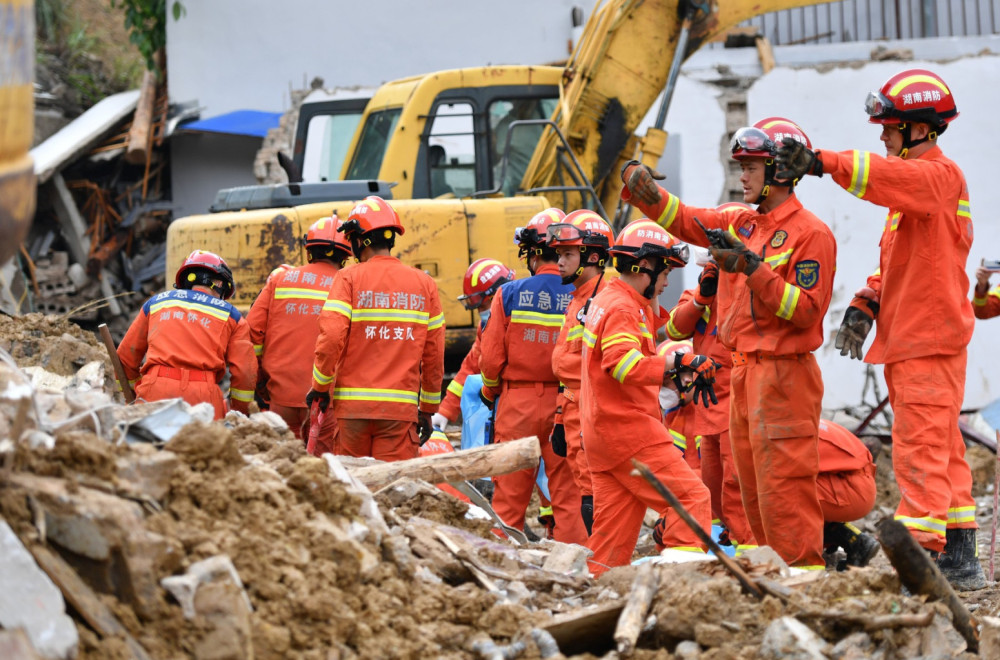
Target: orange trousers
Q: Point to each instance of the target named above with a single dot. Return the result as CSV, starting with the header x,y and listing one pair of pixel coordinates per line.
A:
x,y
384,439
526,409
846,496
928,453
774,427
575,455
621,499
719,473
297,418
154,387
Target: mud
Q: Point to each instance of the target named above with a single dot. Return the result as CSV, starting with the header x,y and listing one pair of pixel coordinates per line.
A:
x,y
50,342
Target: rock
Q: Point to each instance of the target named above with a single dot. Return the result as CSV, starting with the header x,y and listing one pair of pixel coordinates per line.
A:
x,y
687,650
271,419
789,639
711,635
857,646
30,600
211,594
989,637
567,558
147,471
15,645
766,555
940,639
91,376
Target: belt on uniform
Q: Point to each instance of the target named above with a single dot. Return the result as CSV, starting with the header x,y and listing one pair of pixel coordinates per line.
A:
x,y
569,394
178,374
740,358
521,384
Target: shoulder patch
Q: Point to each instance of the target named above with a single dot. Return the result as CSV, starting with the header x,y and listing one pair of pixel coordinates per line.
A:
x,y
807,273
779,238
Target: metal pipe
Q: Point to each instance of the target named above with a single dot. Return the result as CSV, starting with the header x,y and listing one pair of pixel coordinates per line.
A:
x,y
675,67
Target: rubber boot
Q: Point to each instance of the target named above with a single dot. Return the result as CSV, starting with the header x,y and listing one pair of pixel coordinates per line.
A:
x,y
587,512
959,563
859,547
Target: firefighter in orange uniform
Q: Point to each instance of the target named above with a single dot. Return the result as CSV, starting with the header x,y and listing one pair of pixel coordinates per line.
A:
x,y
189,337
518,383
483,279
284,323
985,301
381,344
926,238
778,268
620,410
581,242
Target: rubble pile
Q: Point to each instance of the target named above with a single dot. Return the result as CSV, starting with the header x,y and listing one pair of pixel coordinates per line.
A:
x,y
229,541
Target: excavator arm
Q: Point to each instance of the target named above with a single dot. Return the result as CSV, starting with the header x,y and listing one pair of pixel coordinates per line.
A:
x,y
619,67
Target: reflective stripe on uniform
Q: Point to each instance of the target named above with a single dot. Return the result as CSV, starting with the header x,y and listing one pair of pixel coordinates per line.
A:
x,y
537,318
892,221
391,315
644,331
811,567
779,259
432,398
618,338
680,440
575,333
489,382
687,548
258,349
320,377
456,388
961,514
625,365
672,330
338,306
789,299
932,525
436,322
221,314
859,175
964,210
283,293
241,395
589,338
669,212
374,394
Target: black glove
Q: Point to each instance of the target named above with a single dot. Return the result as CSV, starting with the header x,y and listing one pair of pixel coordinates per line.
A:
x,y
321,398
659,527
733,256
641,182
488,402
794,160
558,440
424,426
854,329
703,369
708,284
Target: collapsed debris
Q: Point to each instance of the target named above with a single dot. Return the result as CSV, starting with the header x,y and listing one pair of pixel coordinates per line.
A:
x,y
227,540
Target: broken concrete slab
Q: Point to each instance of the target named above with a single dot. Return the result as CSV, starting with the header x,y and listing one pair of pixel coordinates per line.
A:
x,y
15,645
30,600
790,639
146,471
184,588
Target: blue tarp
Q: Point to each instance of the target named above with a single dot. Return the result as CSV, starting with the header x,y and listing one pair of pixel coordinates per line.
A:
x,y
254,123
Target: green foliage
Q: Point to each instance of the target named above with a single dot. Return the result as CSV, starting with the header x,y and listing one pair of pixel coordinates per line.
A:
x,y
146,21
49,15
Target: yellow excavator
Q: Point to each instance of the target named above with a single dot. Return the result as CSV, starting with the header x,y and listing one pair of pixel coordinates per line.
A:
x,y
468,155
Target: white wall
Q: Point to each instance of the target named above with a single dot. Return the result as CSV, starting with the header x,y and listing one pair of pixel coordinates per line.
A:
x,y
246,54
203,163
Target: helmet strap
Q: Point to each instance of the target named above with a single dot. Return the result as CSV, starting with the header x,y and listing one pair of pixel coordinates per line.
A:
x,y
906,130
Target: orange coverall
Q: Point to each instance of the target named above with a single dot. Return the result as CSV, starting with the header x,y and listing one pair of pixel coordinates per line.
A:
x,y
923,328
381,338
452,404
773,322
567,364
988,306
284,324
516,363
188,339
846,482
621,420
718,471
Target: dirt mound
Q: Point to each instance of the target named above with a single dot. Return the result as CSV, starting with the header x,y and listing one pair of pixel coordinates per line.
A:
x,y
50,342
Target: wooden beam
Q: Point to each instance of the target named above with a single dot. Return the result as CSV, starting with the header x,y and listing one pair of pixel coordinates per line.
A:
x,y
633,616
139,134
488,461
766,54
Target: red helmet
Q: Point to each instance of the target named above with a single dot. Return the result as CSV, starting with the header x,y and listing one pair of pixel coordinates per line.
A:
x,y
584,228
325,232
733,207
644,238
371,214
204,268
482,279
672,346
912,95
533,235
763,138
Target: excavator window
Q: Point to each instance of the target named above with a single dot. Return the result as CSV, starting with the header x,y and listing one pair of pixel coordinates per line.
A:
x,y
523,140
451,150
328,137
371,148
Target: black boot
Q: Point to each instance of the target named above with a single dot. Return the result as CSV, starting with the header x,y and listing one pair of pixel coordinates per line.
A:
x,y
587,512
859,547
959,563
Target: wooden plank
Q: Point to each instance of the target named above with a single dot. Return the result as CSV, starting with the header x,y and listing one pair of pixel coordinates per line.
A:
x,y
591,631
83,599
633,615
765,53
138,135
109,343
488,461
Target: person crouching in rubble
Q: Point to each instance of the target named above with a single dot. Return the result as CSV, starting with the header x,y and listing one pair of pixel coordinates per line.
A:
x,y
189,337
621,378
